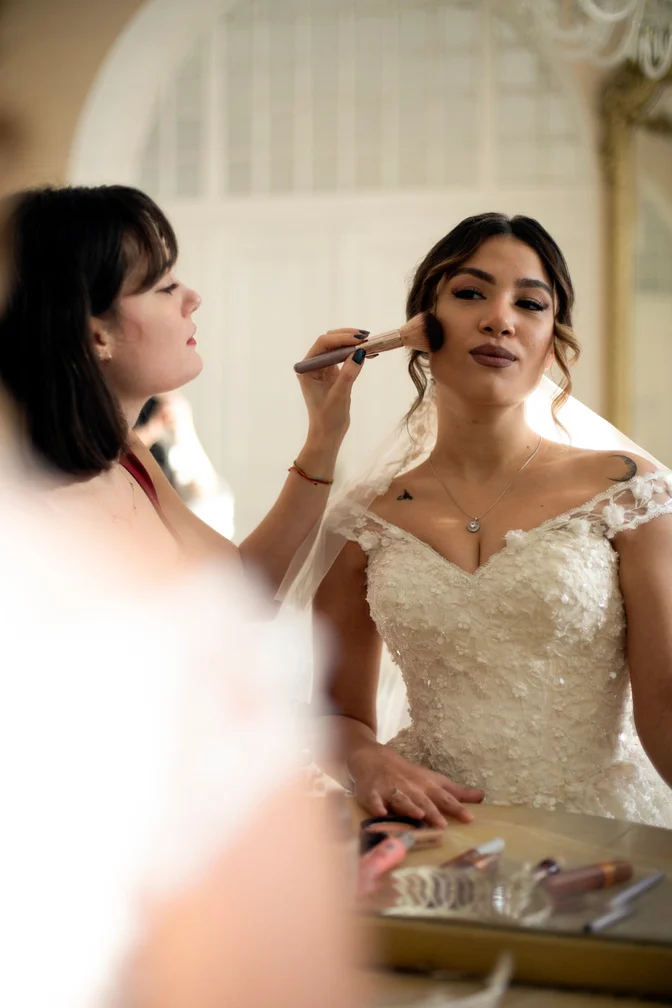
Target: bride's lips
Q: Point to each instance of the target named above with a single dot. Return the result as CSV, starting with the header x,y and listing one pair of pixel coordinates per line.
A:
x,y
191,341
491,355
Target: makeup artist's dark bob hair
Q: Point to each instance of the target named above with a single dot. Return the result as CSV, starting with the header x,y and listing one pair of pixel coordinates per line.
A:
x,y
70,252
449,254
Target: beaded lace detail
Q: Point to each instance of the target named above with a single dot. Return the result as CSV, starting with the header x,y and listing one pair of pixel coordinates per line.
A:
x,y
516,674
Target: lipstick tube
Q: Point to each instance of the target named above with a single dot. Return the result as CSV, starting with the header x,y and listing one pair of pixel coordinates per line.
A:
x,y
581,880
478,857
381,859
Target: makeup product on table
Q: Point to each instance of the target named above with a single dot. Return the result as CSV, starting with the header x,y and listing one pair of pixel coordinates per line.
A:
x,y
620,905
374,831
480,857
544,869
425,838
388,854
580,880
414,335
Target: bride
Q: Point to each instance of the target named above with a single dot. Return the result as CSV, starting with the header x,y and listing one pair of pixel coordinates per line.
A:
x,y
501,567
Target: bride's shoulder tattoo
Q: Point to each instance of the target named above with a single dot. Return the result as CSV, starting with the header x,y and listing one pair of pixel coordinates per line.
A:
x,y
405,496
630,469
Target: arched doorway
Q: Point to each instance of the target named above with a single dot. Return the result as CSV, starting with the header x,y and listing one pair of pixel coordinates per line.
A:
x,y
309,152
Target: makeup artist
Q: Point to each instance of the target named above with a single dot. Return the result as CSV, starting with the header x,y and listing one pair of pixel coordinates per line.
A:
x,y
97,322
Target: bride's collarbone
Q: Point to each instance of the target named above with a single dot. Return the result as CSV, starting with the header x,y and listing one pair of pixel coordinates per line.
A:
x,y
560,483
420,507
444,530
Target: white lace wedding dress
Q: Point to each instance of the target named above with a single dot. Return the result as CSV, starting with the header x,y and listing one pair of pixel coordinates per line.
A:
x,y
516,675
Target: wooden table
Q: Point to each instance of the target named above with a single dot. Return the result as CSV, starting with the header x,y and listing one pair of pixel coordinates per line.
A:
x,y
398,991
531,834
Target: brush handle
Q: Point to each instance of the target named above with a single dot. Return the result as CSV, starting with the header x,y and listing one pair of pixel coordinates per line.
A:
x,y
325,359
391,340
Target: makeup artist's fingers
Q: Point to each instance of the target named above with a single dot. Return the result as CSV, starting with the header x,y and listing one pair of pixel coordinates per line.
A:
x,y
347,376
336,338
327,391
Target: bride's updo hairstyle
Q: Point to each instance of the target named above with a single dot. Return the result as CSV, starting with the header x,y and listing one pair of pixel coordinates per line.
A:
x,y
453,251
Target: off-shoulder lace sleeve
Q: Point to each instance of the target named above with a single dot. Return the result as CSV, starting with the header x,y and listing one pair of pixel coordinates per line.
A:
x,y
350,517
361,526
630,504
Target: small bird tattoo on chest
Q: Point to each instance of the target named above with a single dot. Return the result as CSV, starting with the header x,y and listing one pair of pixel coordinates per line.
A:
x,y
630,469
405,496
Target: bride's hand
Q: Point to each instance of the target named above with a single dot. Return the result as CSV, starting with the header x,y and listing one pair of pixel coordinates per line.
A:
x,y
385,782
327,391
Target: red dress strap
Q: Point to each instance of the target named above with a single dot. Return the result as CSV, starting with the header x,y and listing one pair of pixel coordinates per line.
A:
x,y
134,466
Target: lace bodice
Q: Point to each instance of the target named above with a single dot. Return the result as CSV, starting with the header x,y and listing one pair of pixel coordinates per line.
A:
x,y
516,674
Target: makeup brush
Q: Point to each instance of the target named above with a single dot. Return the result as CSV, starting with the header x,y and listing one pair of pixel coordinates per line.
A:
x,y
422,332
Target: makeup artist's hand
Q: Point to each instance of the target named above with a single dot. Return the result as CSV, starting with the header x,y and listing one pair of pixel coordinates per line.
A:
x,y
385,782
327,392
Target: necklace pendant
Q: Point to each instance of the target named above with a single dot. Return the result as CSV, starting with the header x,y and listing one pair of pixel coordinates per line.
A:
x,y
474,525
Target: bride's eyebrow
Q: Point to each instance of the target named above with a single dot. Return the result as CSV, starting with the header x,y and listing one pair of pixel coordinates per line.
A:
x,y
489,278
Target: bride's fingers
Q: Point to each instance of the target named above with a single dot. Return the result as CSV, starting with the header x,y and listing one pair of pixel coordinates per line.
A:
x,y
428,810
471,795
402,803
449,806
434,800
372,802
463,794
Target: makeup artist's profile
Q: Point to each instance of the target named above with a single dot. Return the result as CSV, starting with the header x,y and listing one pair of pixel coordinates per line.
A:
x,y
98,322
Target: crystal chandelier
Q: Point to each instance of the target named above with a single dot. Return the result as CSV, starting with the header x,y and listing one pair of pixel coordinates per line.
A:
x,y
608,32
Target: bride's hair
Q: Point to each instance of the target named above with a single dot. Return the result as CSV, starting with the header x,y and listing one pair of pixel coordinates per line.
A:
x,y
449,254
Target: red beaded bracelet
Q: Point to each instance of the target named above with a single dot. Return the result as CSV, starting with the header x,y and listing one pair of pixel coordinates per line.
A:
x,y
311,479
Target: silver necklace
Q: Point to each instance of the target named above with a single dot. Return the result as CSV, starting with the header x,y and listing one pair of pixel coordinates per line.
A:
x,y
474,523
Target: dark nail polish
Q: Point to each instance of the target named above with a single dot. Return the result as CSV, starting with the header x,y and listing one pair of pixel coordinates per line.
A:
x,y
362,334
359,356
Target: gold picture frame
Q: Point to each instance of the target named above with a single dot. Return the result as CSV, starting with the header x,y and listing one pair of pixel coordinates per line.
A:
x,y
627,100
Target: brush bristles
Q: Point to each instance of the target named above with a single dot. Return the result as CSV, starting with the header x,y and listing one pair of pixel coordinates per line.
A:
x,y
414,333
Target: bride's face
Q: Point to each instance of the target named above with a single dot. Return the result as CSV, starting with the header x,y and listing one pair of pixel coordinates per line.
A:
x,y
497,315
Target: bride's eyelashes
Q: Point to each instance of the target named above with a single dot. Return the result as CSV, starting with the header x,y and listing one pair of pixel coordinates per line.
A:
x,y
474,294
531,305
